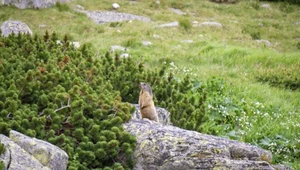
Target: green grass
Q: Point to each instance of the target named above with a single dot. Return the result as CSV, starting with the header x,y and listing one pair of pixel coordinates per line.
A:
x,y
230,53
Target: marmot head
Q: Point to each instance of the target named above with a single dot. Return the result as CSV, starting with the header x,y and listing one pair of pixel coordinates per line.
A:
x,y
146,87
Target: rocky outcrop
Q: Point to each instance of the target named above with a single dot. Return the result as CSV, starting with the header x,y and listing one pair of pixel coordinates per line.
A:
x,y
32,3
23,152
163,115
12,26
167,147
102,17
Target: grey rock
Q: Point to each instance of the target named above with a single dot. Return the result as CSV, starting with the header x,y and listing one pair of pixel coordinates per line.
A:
x,y
79,7
101,17
266,42
76,44
22,4
167,147
177,11
156,36
115,6
47,154
266,6
170,24
187,41
17,158
12,26
125,55
211,24
59,42
42,26
163,115
115,48
146,43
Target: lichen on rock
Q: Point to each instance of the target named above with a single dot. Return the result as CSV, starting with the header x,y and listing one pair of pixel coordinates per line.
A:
x,y
172,148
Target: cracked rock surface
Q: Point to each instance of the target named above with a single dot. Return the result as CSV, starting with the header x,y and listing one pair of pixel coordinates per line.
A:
x,y
162,147
23,152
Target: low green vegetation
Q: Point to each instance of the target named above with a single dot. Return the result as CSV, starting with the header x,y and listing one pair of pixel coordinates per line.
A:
x,y
224,83
282,76
2,151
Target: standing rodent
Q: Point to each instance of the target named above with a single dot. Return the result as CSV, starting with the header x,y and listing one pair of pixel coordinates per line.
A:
x,y
146,103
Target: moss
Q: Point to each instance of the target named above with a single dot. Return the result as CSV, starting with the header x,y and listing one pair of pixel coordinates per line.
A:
x,y
2,148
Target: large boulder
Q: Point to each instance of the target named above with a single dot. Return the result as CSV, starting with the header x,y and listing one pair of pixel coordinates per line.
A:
x,y
168,147
12,26
22,4
23,152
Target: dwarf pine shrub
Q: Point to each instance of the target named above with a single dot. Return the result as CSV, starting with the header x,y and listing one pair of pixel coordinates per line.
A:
x,y
62,95
78,101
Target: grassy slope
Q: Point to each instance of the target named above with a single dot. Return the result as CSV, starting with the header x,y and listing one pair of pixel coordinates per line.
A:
x,y
230,52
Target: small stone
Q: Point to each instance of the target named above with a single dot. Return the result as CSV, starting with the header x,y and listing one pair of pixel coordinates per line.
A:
x,y
195,22
79,7
119,31
157,2
266,42
58,42
42,26
177,11
212,24
156,36
201,36
266,6
187,41
125,55
114,48
115,6
146,43
76,44
170,24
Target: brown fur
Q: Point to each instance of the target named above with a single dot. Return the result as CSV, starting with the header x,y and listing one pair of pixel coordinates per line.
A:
x,y
146,103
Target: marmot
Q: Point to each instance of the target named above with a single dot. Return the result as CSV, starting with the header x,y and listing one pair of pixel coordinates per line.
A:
x,y
146,103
